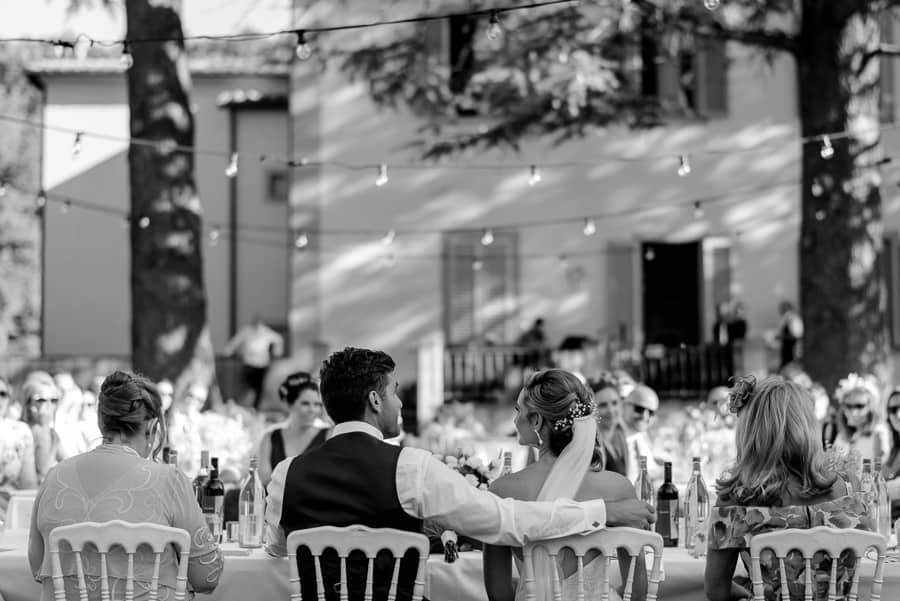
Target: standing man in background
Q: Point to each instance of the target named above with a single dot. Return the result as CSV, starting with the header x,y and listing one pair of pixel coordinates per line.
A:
x,y
256,344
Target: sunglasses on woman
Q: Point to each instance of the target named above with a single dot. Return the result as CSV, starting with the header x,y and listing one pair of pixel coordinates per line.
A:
x,y
642,410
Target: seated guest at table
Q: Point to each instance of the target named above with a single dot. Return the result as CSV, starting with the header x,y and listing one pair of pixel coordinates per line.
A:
x,y
891,467
301,432
611,430
641,406
16,451
780,479
357,478
119,481
41,397
859,425
554,414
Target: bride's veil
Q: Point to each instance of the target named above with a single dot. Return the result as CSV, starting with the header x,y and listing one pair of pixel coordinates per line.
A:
x,y
563,482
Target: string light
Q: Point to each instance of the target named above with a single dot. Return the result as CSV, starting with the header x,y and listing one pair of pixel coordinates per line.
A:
x,y
684,166
303,50
2,188
698,210
76,145
66,205
232,169
827,149
649,255
41,200
820,215
487,237
590,228
494,30
388,238
301,241
816,188
144,222
382,178
214,235
712,4
126,60
477,264
535,177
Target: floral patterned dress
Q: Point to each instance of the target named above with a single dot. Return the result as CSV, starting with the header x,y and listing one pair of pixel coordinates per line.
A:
x,y
732,526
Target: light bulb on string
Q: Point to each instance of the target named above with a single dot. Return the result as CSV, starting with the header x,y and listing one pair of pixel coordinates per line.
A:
x,y
494,30
590,228
820,215
535,177
77,144
563,261
698,210
487,237
214,235
126,60
477,264
827,149
388,238
144,222
232,169
382,178
301,241
126,222
65,206
2,188
684,166
41,200
816,188
712,4
303,49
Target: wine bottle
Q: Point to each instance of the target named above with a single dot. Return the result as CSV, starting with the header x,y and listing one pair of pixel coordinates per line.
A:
x,y
697,509
252,508
507,463
214,501
202,478
883,501
643,485
667,509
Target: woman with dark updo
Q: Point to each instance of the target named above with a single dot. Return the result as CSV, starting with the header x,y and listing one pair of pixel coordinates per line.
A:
x,y
300,433
121,480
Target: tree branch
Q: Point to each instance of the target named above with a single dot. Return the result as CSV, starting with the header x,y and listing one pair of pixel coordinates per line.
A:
x,y
760,38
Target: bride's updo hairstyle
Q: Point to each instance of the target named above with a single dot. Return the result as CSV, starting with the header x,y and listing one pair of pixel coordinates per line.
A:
x,y
127,405
559,397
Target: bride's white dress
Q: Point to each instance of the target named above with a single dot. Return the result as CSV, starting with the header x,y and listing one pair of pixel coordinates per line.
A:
x,y
563,482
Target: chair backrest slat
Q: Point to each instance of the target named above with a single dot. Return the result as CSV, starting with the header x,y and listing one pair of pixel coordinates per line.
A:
x,y
357,538
579,594
127,536
608,542
785,592
554,578
808,542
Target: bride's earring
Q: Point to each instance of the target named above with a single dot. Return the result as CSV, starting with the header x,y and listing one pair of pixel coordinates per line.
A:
x,y
539,437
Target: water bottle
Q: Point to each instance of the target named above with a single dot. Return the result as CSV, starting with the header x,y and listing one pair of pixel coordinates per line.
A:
x,y
867,488
507,463
643,486
884,502
252,508
697,507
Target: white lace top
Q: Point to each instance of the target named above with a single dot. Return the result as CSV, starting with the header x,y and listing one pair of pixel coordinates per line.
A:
x,y
113,483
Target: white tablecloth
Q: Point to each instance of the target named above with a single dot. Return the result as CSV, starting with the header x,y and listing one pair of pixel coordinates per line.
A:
x,y
255,575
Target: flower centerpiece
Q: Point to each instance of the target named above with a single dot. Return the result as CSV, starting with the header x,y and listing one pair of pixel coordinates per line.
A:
x,y
476,473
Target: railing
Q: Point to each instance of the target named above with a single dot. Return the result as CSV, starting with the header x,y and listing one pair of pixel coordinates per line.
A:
x,y
488,373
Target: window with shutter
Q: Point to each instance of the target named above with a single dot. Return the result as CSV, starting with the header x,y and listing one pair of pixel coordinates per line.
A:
x,y
690,81
481,288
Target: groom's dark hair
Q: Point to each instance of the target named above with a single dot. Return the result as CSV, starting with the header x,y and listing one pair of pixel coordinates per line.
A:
x,y
347,377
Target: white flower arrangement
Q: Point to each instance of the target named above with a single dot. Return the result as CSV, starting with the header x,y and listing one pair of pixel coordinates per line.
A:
x,y
854,381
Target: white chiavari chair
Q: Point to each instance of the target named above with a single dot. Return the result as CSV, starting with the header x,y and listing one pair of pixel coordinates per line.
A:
x,y
346,540
117,533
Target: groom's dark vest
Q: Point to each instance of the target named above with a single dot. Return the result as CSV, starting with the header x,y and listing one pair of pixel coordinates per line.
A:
x,y
351,479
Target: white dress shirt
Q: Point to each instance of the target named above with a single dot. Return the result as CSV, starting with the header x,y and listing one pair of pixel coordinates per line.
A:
x,y
428,489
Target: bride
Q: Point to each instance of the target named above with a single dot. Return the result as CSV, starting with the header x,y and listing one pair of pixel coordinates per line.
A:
x,y
554,413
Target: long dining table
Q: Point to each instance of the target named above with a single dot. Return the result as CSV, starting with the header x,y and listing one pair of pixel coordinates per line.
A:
x,y
252,574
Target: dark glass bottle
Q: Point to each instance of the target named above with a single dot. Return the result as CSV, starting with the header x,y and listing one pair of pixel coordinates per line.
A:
x,y
214,501
202,478
667,509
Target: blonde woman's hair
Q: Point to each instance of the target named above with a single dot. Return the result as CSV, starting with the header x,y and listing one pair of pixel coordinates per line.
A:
x,y
778,448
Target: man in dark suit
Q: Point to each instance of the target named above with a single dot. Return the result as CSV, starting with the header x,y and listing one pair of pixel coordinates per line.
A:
x,y
357,478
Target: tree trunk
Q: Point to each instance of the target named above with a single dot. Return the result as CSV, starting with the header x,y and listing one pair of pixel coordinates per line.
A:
x,y
843,296
169,334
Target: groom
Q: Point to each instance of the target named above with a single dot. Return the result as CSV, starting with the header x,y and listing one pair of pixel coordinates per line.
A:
x,y
357,478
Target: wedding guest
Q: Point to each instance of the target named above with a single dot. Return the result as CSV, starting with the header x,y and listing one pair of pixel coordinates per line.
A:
x,y
611,430
256,344
640,410
39,411
16,451
301,433
554,414
780,479
790,332
357,478
891,467
75,435
859,427
120,480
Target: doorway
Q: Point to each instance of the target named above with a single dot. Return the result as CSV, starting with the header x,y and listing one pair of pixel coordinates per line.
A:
x,y
672,293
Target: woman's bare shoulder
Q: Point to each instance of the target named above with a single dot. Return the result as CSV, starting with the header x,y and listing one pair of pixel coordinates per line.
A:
x,y
523,485
606,485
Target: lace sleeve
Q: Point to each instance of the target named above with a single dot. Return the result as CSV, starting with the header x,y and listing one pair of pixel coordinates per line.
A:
x,y
206,560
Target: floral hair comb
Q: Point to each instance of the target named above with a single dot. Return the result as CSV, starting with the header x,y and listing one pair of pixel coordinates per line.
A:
x,y
580,408
741,392
853,382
